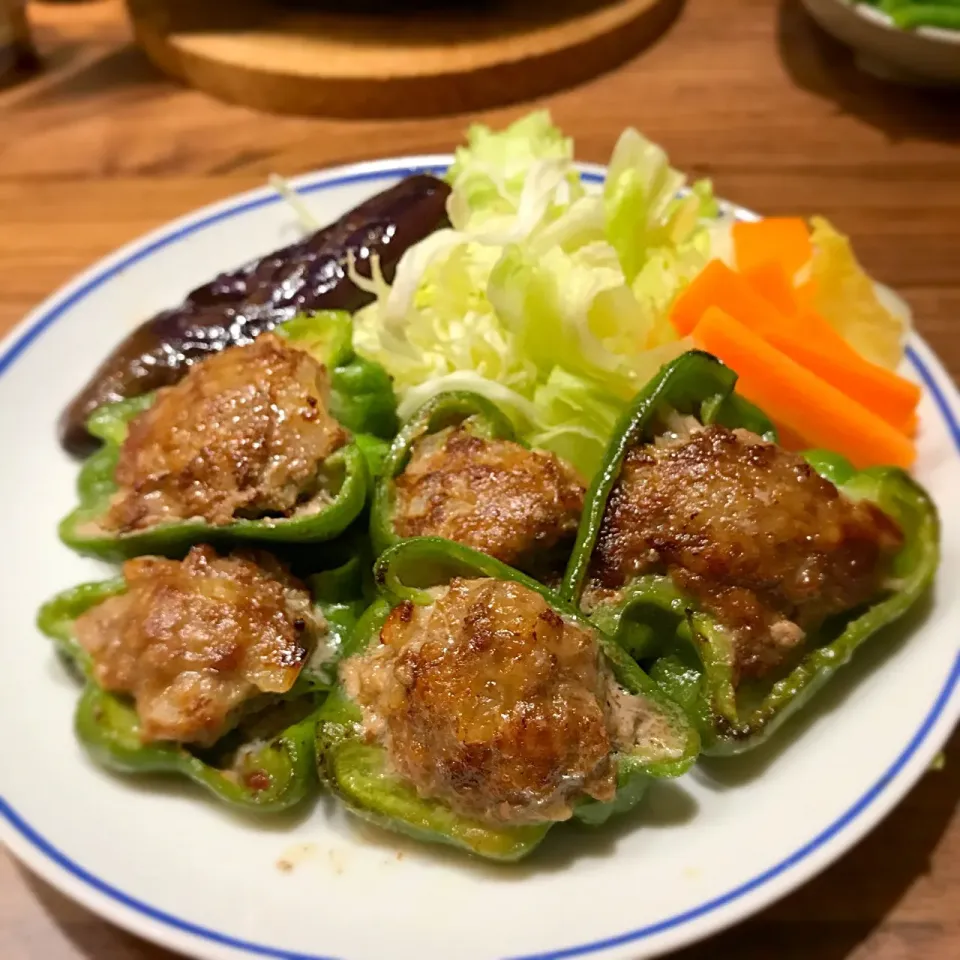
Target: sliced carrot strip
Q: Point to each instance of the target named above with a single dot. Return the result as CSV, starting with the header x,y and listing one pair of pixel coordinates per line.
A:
x,y
718,286
814,327
711,287
881,391
804,403
770,280
790,440
784,239
806,294
912,425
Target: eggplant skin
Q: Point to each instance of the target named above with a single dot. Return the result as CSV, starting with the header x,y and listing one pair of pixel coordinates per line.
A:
x,y
236,307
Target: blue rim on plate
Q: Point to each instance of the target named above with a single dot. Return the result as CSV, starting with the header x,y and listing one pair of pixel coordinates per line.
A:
x,y
381,172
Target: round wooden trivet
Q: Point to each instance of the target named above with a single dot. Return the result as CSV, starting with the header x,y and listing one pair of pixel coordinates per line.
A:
x,y
362,59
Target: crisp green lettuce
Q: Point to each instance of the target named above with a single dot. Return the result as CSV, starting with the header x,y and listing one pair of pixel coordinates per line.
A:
x,y
512,175
547,297
576,417
642,205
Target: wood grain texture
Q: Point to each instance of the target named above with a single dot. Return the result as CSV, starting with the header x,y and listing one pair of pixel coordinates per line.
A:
x,y
101,148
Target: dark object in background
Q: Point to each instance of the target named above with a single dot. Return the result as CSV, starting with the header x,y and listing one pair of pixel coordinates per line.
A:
x,y
18,55
238,306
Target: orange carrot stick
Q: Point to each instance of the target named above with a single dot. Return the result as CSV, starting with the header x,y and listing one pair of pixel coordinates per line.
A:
x,y
912,425
770,280
790,440
806,294
712,286
881,391
785,239
718,286
803,402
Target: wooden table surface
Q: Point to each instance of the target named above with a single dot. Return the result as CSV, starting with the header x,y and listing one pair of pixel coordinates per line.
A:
x,y
101,148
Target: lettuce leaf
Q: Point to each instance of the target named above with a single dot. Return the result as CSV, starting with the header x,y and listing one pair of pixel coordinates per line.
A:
x,y
549,298
501,175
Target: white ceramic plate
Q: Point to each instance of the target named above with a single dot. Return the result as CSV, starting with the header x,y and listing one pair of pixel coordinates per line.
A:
x,y
923,56
162,860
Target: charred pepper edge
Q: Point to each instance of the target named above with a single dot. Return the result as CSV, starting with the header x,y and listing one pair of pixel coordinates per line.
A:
x,y
715,712
286,760
436,561
695,383
444,410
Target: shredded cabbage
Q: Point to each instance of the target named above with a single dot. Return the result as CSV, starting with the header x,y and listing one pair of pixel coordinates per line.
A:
x,y
307,220
550,299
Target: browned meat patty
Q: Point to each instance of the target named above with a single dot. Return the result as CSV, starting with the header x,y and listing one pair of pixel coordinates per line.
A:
x,y
244,434
496,496
193,641
489,700
758,536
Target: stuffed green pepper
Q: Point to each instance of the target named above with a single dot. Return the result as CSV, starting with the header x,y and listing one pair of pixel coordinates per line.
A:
x,y
251,445
742,576
210,667
476,709
457,471
361,391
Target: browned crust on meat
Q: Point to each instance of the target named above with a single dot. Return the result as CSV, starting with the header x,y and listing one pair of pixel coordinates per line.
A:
x,y
244,434
752,531
496,496
490,701
195,641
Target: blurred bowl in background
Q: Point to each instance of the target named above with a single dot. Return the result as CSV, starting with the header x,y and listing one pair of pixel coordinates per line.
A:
x,y
924,56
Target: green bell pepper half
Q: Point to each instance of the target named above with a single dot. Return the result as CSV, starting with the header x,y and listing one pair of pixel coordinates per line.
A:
x,y
357,772
688,651
695,384
452,409
361,397
270,773
361,391
342,593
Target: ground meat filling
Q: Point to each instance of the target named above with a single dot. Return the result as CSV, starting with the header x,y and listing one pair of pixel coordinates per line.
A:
x,y
491,701
764,542
515,504
244,434
196,641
